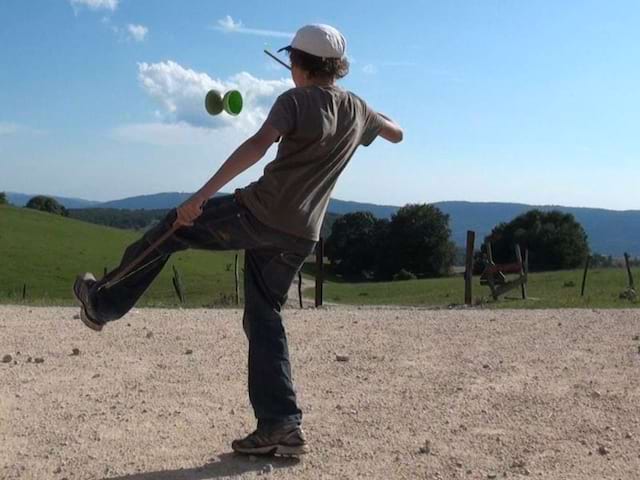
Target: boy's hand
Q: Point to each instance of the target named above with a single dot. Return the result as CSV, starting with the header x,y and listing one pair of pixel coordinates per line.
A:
x,y
188,212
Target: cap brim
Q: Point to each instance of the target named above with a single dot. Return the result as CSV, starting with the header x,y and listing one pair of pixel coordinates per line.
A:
x,y
288,48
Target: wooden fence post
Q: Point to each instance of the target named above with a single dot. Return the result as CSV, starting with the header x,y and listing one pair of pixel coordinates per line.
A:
x,y
626,261
489,251
300,288
584,275
319,271
24,291
237,281
468,272
523,286
177,284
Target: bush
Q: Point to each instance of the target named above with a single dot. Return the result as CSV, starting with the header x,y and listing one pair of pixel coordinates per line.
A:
x,y
404,275
418,240
353,244
555,240
47,204
3,198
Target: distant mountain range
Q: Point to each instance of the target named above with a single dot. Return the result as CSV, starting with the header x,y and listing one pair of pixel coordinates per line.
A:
x,y
21,199
610,232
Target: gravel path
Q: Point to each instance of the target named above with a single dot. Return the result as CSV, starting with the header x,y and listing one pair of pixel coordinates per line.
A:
x,y
468,394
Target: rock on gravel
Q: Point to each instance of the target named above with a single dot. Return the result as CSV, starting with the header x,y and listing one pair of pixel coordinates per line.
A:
x,y
7,359
426,448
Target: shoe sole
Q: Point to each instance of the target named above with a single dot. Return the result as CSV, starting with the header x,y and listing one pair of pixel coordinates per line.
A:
x,y
83,311
88,322
282,450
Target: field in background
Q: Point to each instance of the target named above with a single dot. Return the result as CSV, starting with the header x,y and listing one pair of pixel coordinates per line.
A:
x,y
46,251
545,290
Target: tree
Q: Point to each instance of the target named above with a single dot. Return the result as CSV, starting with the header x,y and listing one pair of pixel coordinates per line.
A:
x,y
353,244
555,240
47,204
418,241
3,198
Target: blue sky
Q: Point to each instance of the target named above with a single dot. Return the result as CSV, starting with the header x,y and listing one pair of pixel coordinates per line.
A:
x,y
533,102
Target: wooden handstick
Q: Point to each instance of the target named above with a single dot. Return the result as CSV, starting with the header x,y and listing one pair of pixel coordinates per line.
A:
x,y
125,271
277,59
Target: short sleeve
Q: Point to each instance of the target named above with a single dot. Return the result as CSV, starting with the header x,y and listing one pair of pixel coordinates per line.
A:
x,y
372,124
282,116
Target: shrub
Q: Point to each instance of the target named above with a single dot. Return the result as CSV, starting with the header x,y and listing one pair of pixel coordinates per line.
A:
x,y
418,240
404,275
47,204
555,240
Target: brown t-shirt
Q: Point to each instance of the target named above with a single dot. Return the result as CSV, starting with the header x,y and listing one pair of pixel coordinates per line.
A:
x,y
321,128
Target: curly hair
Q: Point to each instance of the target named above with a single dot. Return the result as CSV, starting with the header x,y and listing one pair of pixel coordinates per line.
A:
x,y
319,67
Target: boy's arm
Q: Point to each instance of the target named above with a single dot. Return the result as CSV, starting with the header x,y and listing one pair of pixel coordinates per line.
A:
x,y
390,130
246,155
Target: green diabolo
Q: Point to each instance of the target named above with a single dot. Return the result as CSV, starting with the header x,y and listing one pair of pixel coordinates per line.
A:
x,y
231,102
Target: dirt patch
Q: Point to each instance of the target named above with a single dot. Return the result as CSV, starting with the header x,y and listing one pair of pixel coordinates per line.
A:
x,y
416,394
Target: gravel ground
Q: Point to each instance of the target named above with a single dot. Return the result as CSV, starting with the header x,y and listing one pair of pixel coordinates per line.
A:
x,y
469,394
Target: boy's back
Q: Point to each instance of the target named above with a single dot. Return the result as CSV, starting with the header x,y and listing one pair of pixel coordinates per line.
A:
x,y
321,127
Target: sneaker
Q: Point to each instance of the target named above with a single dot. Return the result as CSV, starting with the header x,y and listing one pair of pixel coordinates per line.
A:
x,y
81,292
286,440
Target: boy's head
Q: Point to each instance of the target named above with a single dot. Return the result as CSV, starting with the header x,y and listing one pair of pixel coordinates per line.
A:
x,y
317,54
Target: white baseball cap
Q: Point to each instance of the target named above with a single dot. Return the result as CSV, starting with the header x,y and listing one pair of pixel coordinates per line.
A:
x,y
320,40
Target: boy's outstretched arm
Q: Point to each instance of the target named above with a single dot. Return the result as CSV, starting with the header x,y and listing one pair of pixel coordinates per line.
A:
x,y
390,130
247,154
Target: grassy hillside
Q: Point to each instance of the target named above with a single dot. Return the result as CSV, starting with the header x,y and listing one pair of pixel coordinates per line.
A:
x,y
610,232
545,290
47,251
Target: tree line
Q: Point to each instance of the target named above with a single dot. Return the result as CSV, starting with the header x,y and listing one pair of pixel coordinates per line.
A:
x,y
414,243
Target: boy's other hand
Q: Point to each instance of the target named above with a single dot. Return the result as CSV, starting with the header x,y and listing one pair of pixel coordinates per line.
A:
x,y
188,212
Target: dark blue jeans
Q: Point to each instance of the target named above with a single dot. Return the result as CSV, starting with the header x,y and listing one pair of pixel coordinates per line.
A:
x,y
272,261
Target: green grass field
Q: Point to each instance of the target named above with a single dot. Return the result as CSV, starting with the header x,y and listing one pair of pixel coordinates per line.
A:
x,y
46,251
545,290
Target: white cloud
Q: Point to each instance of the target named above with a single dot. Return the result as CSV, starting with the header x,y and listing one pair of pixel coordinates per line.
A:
x,y
132,32
180,93
370,69
10,128
95,4
137,32
229,25
7,128
400,63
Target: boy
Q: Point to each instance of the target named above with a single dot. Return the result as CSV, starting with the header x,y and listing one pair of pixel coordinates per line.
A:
x,y
276,220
